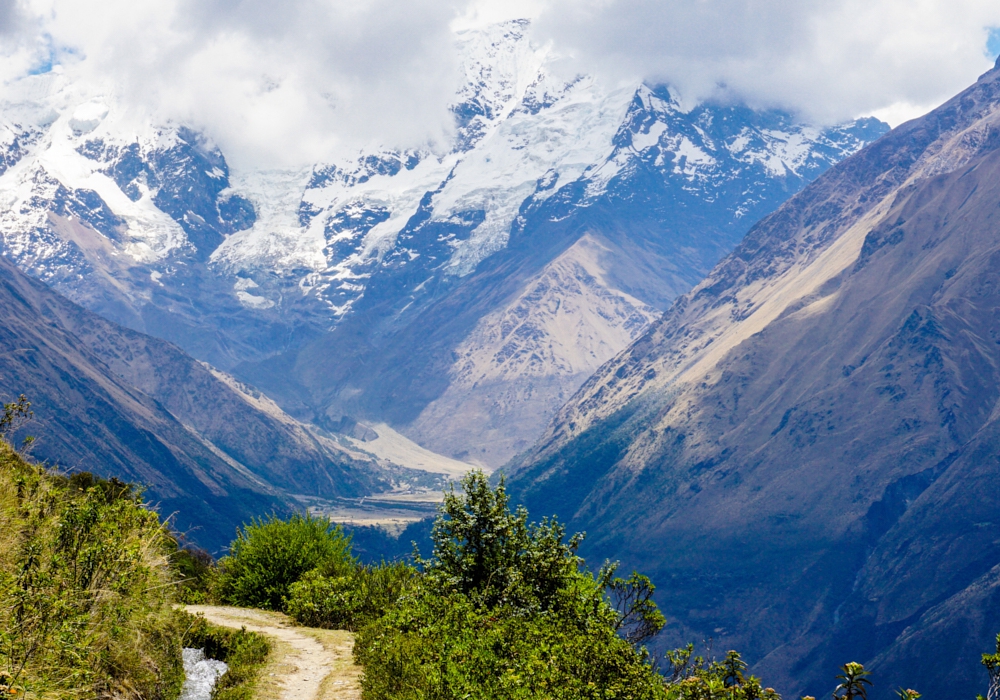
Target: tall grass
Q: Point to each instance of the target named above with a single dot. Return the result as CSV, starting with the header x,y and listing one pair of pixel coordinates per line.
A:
x,y
85,588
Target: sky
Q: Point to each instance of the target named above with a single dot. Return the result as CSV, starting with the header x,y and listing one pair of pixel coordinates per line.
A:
x,y
280,82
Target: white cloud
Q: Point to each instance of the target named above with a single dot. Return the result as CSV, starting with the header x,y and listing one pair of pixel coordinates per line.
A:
x,y
274,83
827,59
284,82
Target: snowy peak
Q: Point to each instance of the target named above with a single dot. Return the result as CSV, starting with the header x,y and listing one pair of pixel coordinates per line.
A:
x,y
157,208
183,177
500,66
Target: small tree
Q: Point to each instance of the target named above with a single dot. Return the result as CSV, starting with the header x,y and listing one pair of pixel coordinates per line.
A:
x,y
853,682
992,664
638,617
733,667
486,552
15,415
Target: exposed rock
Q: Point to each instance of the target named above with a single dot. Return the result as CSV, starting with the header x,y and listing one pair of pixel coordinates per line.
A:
x,y
802,451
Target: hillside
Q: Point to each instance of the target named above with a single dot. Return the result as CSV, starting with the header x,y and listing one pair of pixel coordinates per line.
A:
x,y
484,282
115,402
803,449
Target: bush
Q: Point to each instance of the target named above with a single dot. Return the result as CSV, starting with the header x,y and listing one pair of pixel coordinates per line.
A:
x,y
270,554
195,572
447,647
85,587
352,601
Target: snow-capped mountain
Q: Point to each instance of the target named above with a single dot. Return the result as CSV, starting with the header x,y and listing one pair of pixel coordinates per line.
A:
x,y
630,194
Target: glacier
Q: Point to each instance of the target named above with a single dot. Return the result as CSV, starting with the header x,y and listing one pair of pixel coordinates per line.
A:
x,y
147,224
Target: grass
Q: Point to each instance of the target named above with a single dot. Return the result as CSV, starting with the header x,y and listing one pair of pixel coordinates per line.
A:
x,y
85,588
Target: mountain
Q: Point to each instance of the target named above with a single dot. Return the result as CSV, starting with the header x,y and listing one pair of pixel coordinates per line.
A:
x,y
112,401
459,297
803,451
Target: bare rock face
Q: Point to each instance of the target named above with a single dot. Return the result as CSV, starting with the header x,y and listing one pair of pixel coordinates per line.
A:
x,y
802,451
524,360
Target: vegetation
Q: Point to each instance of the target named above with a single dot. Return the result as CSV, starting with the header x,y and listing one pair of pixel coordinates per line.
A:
x,y
692,678
350,601
502,608
271,554
88,576
992,664
854,682
85,586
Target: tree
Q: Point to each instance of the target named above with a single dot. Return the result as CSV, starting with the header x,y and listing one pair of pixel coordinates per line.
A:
x,y
492,555
992,664
853,681
15,415
638,617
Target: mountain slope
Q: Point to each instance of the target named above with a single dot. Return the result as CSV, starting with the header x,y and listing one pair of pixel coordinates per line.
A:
x,y
115,402
267,274
800,448
652,220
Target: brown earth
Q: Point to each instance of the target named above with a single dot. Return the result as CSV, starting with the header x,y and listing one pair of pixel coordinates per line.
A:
x,y
305,664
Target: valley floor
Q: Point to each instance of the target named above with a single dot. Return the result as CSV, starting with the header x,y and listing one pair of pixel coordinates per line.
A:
x,y
306,663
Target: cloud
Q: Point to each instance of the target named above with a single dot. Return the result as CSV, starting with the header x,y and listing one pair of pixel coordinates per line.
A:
x,y
291,82
825,59
274,83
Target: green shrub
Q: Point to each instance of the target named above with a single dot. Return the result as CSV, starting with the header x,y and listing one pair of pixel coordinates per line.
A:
x,y
693,678
503,611
195,571
348,602
271,554
445,647
245,653
85,587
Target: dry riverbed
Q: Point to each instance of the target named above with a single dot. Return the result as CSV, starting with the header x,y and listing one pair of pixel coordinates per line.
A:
x,y
305,664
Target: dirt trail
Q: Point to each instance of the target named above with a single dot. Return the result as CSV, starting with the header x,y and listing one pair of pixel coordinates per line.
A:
x,y
307,663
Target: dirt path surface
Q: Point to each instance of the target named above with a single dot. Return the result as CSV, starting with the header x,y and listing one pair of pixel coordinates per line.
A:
x,y
306,664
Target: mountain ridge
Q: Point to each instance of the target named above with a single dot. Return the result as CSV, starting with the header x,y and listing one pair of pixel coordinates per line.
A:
x,y
799,408
115,402
259,272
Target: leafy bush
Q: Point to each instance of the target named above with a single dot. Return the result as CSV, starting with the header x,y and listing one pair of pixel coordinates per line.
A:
x,y
692,678
245,653
271,554
195,569
447,647
484,551
352,601
504,611
85,587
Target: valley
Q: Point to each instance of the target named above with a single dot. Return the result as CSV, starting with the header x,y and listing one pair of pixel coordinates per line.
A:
x,y
814,417
613,361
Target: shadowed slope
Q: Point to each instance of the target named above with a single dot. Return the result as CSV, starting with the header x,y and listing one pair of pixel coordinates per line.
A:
x,y
119,403
799,448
